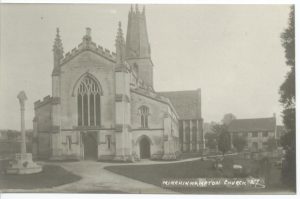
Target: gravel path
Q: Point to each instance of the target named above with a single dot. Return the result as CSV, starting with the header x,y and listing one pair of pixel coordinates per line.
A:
x,y
96,179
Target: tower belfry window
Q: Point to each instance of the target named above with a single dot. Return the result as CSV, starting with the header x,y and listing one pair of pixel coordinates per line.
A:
x,y
88,102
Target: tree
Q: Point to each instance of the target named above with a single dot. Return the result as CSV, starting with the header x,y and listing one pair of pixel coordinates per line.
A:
x,y
224,143
211,140
239,143
271,144
227,119
219,128
287,99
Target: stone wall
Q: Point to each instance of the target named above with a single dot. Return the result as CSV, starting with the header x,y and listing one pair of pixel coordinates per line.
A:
x,y
163,135
157,111
64,139
70,145
145,69
104,152
43,114
156,144
72,72
44,145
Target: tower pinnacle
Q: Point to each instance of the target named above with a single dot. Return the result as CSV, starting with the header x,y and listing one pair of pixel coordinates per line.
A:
x,y
120,45
87,37
58,51
57,42
131,8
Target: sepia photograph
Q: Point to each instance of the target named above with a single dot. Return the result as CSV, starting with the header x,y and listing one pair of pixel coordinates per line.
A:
x,y
147,98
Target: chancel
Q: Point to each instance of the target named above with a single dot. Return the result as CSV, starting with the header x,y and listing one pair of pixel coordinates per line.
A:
x,y
104,106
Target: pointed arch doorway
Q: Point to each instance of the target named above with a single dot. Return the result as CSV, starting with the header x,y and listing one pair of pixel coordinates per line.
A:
x,y
90,145
144,148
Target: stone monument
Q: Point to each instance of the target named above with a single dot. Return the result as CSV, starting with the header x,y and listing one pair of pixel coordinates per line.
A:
x,y
22,162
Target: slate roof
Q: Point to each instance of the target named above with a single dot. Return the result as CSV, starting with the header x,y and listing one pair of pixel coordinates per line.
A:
x,y
255,124
187,103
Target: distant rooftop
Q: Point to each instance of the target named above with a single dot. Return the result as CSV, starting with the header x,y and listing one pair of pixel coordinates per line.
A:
x,y
253,124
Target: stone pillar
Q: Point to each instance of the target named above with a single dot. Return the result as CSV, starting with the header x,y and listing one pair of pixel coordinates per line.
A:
x,y
22,98
22,163
197,136
183,137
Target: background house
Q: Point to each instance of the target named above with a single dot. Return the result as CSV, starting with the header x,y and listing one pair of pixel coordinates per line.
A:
x,y
256,131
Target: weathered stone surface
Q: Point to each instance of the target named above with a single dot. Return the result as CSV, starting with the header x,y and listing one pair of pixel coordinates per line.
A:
x,y
23,164
125,81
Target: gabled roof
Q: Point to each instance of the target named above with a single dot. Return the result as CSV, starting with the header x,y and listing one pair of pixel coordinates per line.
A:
x,y
187,103
86,45
92,47
253,124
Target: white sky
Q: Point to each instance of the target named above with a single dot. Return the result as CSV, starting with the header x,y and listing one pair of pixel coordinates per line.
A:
x,y
232,52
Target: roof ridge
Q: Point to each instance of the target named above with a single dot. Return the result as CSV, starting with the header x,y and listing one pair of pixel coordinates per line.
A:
x,y
254,118
186,102
91,46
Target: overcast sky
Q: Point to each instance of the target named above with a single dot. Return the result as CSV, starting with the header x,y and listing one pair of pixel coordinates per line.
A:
x,y
232,52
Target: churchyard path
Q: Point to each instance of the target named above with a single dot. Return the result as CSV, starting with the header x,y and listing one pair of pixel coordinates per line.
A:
x,y
96,179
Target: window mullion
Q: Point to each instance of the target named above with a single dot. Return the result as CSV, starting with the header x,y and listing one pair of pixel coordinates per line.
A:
x,y
88,107
82,109
95,109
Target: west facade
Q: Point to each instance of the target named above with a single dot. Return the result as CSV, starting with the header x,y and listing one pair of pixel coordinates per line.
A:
x,y
104,107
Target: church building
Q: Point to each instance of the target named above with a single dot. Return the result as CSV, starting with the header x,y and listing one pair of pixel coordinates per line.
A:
x,y
104,107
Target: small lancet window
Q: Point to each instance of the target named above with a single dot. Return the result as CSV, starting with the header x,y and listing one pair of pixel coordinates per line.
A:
x,y
144,112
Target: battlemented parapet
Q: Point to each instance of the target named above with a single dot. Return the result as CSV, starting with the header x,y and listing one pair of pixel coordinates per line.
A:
x,y
88,44
46,100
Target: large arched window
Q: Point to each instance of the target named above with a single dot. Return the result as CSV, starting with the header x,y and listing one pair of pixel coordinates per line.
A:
x,y
144,112
88,101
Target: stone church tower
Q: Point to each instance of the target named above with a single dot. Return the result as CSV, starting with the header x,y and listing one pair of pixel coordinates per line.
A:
x,y
138,52
104,107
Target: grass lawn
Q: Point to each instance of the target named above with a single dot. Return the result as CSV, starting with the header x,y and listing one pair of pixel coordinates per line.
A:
x,y
153,174
189,155
51,176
